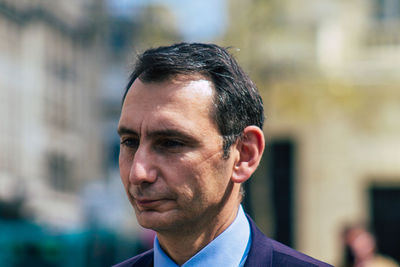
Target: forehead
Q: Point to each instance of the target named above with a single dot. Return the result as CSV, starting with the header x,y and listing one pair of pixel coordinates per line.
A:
x,y
172,92
180,101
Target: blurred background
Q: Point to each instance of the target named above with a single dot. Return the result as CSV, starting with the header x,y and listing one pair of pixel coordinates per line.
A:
x,y
329,73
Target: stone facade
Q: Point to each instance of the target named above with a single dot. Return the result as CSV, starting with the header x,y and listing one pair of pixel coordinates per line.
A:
x,y
49,113
329,75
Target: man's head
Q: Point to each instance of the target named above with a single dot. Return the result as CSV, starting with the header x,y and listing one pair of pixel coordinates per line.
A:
x,y
236,102
190,131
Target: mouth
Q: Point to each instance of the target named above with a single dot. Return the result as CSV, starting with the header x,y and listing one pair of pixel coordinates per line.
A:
x,y
149,204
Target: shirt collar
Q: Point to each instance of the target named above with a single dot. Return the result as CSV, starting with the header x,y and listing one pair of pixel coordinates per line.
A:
x,y
230,248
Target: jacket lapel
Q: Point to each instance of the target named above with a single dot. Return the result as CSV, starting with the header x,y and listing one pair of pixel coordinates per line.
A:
x,y
260,253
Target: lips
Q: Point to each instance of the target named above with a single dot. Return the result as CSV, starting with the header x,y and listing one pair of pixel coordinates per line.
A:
x,y
148,204
147,200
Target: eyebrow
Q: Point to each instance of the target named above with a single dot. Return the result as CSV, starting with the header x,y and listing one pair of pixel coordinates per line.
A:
x,y
122,130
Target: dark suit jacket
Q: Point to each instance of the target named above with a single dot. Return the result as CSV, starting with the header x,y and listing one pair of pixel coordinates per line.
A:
x,y
264,252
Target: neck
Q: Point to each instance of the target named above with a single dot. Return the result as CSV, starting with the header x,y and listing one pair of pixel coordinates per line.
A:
x,y
183,245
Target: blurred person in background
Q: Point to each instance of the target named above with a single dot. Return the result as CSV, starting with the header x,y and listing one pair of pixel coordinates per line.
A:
x,y
191,134
361,251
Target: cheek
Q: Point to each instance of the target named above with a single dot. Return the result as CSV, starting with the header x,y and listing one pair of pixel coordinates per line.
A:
x,y
184,178
186,193
215,179
200,182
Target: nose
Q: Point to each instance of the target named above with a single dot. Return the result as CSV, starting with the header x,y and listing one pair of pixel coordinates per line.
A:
x,y
143,167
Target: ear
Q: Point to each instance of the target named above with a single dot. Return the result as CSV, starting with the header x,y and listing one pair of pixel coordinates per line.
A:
x,y
250,148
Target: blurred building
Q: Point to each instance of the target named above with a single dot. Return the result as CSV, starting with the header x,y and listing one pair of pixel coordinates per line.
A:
x,y
329,75
63,69
49,73
125,33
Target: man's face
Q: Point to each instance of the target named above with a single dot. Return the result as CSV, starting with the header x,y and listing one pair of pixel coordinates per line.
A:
x,y
171,160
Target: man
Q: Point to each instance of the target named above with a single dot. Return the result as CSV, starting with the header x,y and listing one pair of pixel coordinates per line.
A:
x,y
191,134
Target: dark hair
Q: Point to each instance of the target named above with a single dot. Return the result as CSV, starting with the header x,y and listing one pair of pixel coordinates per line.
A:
x,y
237,102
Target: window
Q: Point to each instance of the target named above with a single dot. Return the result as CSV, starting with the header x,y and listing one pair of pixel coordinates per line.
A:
x,y
281,168
58,174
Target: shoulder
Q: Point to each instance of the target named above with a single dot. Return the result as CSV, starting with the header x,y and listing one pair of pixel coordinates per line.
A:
x,y
144,259
265,251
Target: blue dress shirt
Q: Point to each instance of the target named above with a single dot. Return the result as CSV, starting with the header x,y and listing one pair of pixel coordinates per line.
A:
x,y
230,248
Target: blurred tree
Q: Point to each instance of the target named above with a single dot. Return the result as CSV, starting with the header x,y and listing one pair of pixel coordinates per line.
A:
x,y
12,210
156,25
252,27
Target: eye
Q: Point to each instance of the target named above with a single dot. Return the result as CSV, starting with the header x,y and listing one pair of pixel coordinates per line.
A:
x,y
170,144
130,142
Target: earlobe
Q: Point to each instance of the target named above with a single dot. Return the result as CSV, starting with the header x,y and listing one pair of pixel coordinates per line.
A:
x,y
250,148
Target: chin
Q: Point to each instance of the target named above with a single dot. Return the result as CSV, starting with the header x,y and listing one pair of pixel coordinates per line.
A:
x,y
150,219
157,222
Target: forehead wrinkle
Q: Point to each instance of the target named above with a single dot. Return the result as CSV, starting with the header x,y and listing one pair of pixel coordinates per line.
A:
x,y
127,125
